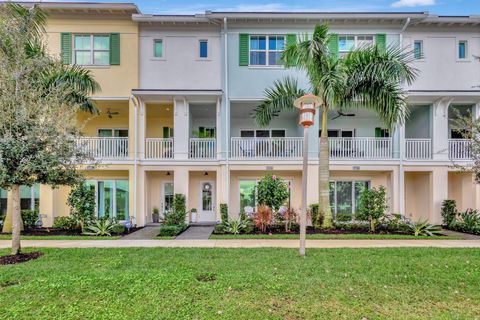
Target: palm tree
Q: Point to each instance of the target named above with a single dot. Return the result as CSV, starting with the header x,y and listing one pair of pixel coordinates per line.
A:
x,y
368,77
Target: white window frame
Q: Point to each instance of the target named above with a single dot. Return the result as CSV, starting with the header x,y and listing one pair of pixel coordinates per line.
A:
x,y
422,47
354,203
457,47
199,49
92,49
267,50
256,129
154,41
355,41
113,130
114,195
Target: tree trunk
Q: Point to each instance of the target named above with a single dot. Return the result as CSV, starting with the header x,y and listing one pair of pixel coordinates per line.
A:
x,y
324,175
16,219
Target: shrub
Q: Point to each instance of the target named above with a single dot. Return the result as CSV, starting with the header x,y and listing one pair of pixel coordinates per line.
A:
x,y
29,218
118,229
66,223
372,206
352,225
100,227
172,230
317,216
178,215
155,215
272,191
449,212
179,203
219,228
470,218
287,216
423,228
224,212
235,226
262,218
81,201
343,217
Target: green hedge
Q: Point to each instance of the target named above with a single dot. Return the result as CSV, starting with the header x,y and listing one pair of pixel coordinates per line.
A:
x,y
172,231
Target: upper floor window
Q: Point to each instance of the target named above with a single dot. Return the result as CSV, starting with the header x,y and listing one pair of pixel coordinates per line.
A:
x,y
462,49
203,49
158,48
266,50
92,49
418,49
348,43
112,133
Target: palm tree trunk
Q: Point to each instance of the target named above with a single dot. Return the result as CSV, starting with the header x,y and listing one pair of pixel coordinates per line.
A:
x,y
16,219
324,174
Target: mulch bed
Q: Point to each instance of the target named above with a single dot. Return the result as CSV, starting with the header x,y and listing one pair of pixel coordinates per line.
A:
x,y
311,230
19,258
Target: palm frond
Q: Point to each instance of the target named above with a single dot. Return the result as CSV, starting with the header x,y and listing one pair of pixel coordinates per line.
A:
x,y
279,97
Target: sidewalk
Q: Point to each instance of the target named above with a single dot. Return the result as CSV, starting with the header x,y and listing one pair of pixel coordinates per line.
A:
x,y
246,243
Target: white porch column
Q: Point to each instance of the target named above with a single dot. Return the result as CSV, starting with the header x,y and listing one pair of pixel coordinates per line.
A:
x,y
440,129
219,128
141,128
221,190
439,193
181,181
181,127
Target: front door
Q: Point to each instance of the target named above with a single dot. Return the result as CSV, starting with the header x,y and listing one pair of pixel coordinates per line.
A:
x,y
207,202
166,197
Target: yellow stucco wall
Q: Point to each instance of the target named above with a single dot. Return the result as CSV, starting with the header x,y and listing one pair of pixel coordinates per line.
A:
x,y
116,81
90,124
461,188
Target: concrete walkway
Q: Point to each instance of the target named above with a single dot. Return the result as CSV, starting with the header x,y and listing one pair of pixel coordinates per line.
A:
x,y
143,234
246,243
196,233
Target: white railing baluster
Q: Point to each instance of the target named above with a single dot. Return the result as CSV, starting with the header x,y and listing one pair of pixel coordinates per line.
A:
x,y
361,148
203,148
104,147
159,148
266,148
459,149
418,149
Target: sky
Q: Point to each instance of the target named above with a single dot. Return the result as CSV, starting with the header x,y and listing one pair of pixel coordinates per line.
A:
x,y
440,7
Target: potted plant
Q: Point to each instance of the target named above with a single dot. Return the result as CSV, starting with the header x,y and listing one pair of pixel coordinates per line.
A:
x,y
155,215
194,215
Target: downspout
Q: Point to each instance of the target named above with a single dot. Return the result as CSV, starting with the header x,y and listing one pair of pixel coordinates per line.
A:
x,y
135,156
402,142
227,105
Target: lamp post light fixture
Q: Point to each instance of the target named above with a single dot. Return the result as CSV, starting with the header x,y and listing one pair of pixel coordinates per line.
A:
x,y
307,106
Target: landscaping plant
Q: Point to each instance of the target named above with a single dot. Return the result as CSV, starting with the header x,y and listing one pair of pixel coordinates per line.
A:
x,y
224,212
449,212
272,191
235,226
101,227
423,228
179,211
372,206
39,101
66,223
29,218
316,215
81,200
262,218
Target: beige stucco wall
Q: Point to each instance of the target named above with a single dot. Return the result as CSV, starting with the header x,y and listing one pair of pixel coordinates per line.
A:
x,y
116,81
154,182
156,120
461,187
418,195
196,178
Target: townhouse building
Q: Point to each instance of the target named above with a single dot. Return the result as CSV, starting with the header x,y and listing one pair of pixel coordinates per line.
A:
x,y
178,93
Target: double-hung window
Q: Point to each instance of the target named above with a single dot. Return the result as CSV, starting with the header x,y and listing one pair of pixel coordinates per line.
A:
x,y
266,50
92,49
347,43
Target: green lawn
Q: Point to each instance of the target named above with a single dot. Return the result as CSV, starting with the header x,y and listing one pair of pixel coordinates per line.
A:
x,y
330,236
9,237
162,283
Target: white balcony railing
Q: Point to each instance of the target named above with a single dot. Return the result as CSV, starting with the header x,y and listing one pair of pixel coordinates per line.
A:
x,y
104,147
459,149
201,148
159,148
361,148
418,149
266,148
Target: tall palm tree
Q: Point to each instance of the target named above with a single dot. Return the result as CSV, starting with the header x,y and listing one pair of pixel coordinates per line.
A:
x,y
367,77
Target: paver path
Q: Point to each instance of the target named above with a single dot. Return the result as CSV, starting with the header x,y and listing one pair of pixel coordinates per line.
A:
x,y
244,243
196,233
465,236
142,234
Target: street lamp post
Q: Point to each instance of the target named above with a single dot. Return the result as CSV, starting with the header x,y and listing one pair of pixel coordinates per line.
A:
x,y
307,105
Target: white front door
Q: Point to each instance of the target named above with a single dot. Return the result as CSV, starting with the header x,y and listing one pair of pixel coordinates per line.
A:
x,y
206,212
166,197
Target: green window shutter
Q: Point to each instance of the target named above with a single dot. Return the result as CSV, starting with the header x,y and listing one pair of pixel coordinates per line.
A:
x,y
378,132
166,132
66,47
291,39
333,44
244,48
381,41
114,49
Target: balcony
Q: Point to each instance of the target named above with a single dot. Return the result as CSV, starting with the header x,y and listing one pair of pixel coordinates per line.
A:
x,y
159,148
459,149
418,149
266,148
361,148
202,148
104,147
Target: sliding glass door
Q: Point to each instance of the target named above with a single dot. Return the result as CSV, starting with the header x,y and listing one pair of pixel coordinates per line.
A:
x,y
112,198
345,195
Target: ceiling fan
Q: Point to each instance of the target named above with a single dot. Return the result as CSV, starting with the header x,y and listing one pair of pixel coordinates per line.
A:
x,y
110,114
343,114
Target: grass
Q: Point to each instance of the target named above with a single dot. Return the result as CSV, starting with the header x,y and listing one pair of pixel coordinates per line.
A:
x,y
9,237
355,236
179,283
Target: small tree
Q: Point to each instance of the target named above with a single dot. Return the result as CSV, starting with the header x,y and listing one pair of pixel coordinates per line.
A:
x,y
82,202
372,206
449,212
179,211
272,191
224,212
